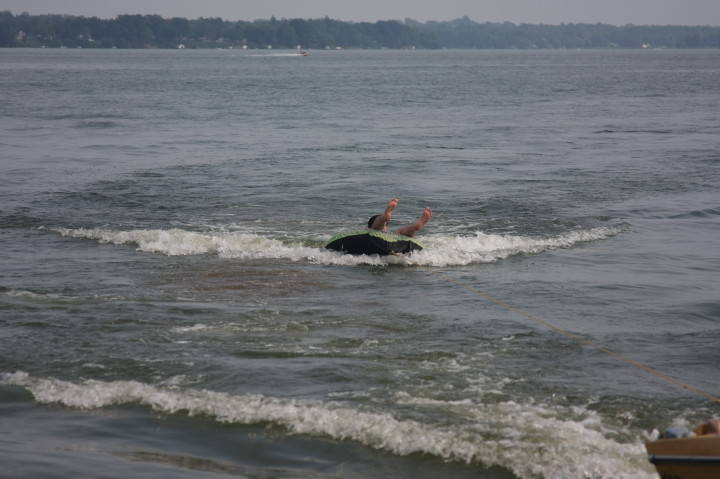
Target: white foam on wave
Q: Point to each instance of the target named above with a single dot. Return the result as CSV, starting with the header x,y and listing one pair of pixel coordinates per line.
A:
x,y
20,293
530,440
441,250
444,250
58,298
175,241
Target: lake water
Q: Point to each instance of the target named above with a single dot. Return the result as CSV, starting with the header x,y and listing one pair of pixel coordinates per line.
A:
x,y
167,308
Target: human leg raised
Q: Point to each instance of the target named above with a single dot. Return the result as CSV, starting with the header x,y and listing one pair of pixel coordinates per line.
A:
x,y
410,230
381,221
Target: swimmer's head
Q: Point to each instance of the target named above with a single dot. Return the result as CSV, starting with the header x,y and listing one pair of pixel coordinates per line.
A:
x,y
372,220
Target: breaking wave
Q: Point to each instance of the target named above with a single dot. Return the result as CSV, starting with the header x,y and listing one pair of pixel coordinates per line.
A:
x,y
441,250
530,440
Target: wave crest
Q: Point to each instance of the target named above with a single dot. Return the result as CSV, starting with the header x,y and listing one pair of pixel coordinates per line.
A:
x,y
441,249
530,440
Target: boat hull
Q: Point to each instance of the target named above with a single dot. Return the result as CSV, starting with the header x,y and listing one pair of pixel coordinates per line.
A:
x,y
686,458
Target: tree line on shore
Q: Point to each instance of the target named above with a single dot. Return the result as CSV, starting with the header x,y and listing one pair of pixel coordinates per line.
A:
x,y
154,31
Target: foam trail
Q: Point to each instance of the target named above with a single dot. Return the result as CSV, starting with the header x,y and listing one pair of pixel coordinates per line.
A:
x,y
441,250
444,250
529,440
174,241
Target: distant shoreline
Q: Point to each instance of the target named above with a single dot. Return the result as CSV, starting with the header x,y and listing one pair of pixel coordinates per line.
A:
x,y
154,31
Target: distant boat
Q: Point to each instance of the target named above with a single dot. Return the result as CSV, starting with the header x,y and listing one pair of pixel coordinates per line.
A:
x,y
693,457
303,53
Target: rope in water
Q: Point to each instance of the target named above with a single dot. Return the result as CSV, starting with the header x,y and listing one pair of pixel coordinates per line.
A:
x,y
564,332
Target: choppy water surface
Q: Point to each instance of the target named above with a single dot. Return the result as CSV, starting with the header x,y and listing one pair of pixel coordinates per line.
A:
x,y
166,307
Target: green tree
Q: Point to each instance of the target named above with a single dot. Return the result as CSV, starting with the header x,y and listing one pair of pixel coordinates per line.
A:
x,y
286,35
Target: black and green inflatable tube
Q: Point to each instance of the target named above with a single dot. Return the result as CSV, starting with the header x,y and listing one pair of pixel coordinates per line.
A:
x,y
372,242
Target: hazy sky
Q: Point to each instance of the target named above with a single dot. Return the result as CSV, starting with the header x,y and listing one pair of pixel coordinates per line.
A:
x,y
553,12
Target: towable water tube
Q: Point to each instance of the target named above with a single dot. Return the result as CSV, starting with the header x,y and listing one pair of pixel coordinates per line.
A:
x,y
372,242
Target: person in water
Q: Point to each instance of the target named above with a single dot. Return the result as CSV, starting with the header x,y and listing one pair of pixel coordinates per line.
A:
x,y
380,222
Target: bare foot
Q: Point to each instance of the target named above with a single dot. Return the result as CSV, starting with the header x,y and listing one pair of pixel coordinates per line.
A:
x,y
424,218
381,221
410,230
392,204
